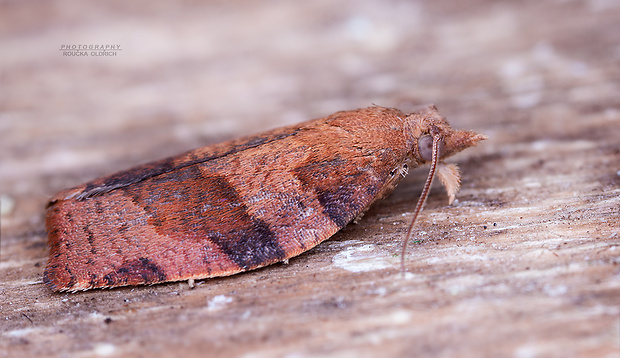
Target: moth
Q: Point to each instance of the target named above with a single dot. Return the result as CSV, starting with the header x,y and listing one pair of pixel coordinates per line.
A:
x,y
243,204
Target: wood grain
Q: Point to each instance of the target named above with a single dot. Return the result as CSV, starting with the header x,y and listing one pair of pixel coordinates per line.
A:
x,y
525,263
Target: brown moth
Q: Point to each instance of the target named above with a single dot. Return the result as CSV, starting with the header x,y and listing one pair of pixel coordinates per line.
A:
x,y
243,204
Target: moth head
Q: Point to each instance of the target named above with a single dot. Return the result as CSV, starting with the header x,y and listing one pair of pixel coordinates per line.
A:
x,y
450,141
437,135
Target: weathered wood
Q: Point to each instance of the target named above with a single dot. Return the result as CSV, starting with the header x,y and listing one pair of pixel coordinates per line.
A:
x,y
525,263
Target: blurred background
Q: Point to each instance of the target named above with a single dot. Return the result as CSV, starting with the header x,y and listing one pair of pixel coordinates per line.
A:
x,y
540,78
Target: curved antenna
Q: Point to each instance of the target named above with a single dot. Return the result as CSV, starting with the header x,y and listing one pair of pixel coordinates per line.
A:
x,y
423,195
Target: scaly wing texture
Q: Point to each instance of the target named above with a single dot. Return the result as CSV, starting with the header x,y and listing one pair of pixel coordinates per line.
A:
x,y
223,209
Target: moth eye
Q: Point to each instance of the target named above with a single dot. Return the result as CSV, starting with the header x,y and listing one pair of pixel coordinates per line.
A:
x,y
425,147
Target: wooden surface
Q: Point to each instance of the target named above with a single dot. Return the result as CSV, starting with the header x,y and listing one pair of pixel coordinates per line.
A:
x,y
524,264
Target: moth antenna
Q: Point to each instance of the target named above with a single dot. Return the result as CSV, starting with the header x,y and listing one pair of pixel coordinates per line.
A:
x,y
423,195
